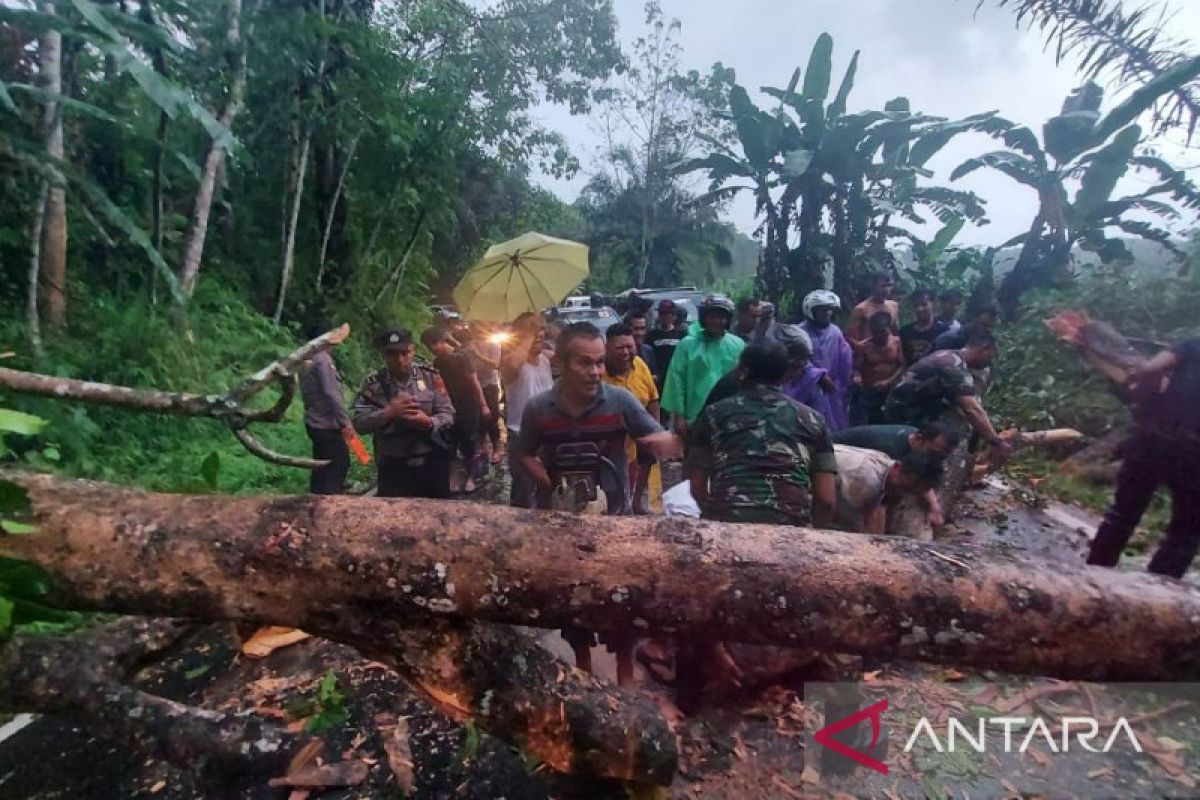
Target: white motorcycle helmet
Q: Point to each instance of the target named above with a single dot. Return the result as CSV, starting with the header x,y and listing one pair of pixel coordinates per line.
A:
x,y
821,297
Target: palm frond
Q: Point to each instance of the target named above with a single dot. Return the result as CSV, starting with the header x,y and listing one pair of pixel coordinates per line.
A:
x,y
1127,44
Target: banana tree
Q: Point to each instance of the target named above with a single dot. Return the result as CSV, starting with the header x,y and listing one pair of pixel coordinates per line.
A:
x,y
1081,144
832,177
760,138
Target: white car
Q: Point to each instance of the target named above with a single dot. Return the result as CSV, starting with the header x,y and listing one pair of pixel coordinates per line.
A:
x,y
577,301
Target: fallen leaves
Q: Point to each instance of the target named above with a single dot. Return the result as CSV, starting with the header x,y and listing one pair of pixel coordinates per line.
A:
x,y
306,755
271,638
1026,698
1169,760
395,734
787,788
326,776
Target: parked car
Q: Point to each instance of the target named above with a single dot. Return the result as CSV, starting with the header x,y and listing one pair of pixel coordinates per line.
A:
x,y
577,301
603,317
686,298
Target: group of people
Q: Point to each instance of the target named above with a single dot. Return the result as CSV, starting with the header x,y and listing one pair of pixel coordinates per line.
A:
x,y
795,424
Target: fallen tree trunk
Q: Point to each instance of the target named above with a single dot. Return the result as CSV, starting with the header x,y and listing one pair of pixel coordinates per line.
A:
x,y
314,562
84,676
500,677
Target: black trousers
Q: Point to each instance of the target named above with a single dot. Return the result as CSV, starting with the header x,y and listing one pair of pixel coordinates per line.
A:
x,y
423,476
329,446
866,406
491,395
1150,462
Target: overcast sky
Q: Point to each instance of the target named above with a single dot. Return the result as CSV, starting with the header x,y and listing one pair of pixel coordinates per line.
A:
x,y
948,59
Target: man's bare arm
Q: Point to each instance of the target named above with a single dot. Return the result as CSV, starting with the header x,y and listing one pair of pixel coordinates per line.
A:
x,y
933,507
875,520
534,467
664,445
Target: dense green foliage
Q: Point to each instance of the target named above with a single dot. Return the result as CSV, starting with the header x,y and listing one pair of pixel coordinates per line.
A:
x,y
1097,151
140,347
1042,382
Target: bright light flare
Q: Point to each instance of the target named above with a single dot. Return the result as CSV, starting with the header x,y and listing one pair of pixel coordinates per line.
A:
x,y
503,337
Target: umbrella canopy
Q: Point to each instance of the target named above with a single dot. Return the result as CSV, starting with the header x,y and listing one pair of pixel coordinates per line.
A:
x,y
530,273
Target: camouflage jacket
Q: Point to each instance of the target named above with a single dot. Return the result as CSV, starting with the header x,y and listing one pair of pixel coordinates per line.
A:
x,y
930,388
760,450
393,439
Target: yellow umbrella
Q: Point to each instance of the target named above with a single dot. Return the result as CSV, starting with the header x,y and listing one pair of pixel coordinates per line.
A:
x,y
530,273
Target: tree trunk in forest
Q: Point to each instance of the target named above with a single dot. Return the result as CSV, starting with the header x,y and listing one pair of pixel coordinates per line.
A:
x,y
842,251
158,59
54,227
300,167
32,320
193,246
333,213
304,560
327,230
498,676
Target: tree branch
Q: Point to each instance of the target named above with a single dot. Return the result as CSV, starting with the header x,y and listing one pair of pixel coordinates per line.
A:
x,y
230,407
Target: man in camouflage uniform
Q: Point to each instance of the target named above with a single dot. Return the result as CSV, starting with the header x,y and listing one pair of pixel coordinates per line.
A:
x,y
759,456
406,407
941,386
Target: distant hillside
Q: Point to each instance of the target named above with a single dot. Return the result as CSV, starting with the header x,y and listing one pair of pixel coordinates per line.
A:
x,y
700,270
1149,258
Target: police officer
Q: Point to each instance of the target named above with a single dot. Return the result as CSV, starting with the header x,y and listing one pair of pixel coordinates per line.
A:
x,y
406,408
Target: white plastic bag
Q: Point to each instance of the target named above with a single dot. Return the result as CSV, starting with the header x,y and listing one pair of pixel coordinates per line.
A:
x,y
678,501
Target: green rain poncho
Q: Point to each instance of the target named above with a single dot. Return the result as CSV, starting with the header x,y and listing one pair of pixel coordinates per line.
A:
x,y
698,363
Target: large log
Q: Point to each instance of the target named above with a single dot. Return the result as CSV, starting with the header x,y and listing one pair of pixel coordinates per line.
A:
x,y
84,676
497,676
307,561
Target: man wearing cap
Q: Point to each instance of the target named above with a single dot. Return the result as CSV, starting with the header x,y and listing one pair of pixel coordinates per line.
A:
x,y
665,337
406,408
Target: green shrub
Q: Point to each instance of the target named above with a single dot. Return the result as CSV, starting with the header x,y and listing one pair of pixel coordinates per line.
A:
x,y
113,340
1042,382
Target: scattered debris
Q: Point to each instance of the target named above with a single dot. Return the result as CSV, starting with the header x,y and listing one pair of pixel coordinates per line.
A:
x,y
399,754
948,559
271,638
327,776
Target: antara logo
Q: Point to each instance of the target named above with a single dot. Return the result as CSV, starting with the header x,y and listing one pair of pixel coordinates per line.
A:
x,y
824,737
1082,729
1083,732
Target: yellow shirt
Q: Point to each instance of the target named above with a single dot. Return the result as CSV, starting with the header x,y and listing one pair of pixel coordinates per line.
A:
x,y
640,383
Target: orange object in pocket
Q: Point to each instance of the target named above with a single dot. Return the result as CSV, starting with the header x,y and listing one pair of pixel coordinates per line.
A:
x,y
358,448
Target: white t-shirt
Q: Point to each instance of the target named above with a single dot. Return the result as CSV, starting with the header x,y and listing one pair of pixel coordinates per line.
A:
x,y
533,379
861,483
